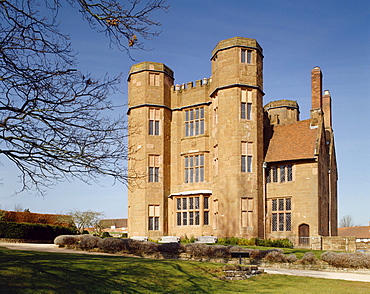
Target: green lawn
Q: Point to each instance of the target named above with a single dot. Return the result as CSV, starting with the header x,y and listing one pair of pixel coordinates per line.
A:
x,y
41,272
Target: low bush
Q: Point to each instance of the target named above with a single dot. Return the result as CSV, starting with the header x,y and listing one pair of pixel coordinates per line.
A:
x,y
218,251
106,235
291,258
112,245
148,247
197,250
280,243
88,242
308,257
187,240
347,260
276,256
246,242
228,241
172,248
67,240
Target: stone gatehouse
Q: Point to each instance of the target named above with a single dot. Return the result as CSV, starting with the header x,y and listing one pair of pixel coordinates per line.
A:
x,y
209,158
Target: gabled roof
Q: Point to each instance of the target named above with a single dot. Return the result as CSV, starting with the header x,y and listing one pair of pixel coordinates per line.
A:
x,y
358,232
119,223
290,142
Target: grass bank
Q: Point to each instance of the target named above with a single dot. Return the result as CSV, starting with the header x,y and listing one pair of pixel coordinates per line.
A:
x,y
43,272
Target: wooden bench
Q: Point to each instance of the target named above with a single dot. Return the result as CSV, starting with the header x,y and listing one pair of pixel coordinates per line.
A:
x,y
206,239
169,239
139,238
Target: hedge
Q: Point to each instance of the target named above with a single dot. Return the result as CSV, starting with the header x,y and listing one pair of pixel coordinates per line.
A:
x,y
11,230
36,218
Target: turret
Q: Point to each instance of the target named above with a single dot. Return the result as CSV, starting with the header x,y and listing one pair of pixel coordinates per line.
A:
x,y
149,87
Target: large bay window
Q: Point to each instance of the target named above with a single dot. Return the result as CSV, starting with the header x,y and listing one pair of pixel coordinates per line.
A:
x,y
192,210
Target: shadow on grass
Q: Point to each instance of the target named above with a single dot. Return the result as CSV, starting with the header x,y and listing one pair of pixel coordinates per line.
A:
x,y
43,272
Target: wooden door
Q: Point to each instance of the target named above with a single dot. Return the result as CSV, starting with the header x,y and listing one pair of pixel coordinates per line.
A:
x,y
304,235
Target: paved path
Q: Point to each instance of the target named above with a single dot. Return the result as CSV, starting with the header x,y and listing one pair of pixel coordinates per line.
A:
x,y
293,272
46,248
319,274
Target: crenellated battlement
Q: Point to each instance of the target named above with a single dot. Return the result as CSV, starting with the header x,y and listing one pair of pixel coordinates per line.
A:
x,y
190,85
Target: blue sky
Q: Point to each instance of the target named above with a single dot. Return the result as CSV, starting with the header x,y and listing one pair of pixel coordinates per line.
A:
x,y
295,36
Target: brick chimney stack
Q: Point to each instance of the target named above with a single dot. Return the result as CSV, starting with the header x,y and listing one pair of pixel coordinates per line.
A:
x,y
326,104
316,87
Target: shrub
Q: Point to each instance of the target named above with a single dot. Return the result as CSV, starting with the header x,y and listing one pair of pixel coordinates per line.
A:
x,y
124,235
308,257
88,242
276,256
171,248
282,243
291,258
112,245
347,260
246,242
218,251
186,240
221,241
67,240
197,249
85,232
228,241
106,235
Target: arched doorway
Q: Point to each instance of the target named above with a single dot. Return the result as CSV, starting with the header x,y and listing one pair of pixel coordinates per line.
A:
x,y
304,235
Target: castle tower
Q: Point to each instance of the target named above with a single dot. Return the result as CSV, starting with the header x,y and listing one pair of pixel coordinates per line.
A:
x,y
281,112
206,158
149,88
237,93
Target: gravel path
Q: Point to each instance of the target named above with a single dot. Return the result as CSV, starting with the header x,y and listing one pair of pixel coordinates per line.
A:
x,y
46,248
319,274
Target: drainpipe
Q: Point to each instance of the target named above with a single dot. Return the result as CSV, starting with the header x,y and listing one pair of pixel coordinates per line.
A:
x,y
329,187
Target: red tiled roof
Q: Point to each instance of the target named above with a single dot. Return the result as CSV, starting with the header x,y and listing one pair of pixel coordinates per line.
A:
x,y
119,223
358,232
290,142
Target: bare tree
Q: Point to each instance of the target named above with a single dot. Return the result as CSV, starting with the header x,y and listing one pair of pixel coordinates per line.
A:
x,y
54,121
346,221
87,219
18,207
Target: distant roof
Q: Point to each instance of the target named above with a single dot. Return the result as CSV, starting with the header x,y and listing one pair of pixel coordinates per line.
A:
x,y
358,232
118,223
291,141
